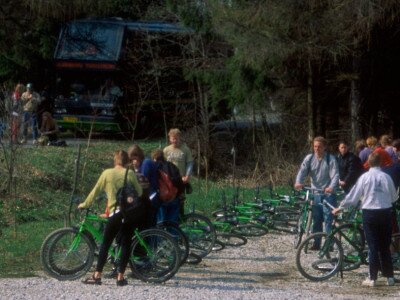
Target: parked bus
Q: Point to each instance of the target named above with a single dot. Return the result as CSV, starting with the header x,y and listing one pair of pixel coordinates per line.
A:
x,y
114,75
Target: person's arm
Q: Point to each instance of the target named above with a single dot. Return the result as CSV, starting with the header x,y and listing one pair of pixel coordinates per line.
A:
x,y
98,188
353,196
303,171
333,174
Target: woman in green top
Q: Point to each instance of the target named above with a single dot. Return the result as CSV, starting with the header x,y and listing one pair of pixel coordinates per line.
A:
x,y
110,181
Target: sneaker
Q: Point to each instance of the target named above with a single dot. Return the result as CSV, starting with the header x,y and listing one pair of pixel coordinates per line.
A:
x,y
368,282
34,142
23,141
390,281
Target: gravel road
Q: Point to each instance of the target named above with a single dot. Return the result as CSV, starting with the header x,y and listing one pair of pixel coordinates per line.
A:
x,y
262,269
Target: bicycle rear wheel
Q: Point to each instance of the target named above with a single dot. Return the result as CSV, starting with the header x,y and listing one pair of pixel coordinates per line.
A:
x,y
200,232
322,264
155,256
66,254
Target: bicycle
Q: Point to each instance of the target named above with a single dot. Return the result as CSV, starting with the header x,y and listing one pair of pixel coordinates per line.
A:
x,y
68,253
340,250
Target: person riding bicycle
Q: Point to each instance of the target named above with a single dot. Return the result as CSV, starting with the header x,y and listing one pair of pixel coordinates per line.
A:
x,y
377,193
323,170
123,224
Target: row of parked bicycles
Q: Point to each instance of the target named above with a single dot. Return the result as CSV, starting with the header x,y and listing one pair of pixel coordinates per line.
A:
x,y
158,253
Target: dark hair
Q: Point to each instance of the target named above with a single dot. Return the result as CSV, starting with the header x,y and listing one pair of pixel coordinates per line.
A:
x,y
157,155
396,144
135,151
374,159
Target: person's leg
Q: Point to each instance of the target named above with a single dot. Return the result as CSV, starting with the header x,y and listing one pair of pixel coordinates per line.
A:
x,y
26,118
173,210
372,237
126,232
110,232
384,242
328,217
161,214
34,126
317,217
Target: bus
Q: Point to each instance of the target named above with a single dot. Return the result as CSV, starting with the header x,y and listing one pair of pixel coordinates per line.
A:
x,y
115,75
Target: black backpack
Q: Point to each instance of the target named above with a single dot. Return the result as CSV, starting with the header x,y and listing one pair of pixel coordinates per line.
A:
x,y
128,199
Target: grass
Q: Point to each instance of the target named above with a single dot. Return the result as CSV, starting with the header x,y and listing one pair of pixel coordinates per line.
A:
x,y
44,185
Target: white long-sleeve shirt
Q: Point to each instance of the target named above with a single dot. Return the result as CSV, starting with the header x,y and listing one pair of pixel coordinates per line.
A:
x,y
375,189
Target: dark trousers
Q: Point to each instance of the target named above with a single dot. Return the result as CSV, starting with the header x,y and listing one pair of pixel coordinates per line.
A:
x,y
377,225
125,231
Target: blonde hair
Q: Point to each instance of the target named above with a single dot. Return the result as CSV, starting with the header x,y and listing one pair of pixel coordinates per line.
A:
x,y
371,141
321,139
174,132
121,158
385,140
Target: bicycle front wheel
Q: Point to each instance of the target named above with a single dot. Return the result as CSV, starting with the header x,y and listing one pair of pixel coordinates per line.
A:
x,y
155,256
318,263
67,254
353,243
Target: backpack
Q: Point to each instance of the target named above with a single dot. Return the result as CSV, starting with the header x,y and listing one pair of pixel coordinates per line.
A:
x,y
128,199
167,189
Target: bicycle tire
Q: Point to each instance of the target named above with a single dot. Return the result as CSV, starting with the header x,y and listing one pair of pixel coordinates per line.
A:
x,y
284,226
193,259
319,265
63,262
180,237
353,257
232,239
218,245
155,257
250,230
200,232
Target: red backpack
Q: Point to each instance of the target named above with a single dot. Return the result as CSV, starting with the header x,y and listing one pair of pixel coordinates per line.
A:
x,y
167,189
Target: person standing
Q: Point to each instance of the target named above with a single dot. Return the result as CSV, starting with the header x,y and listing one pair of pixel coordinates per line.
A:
x,y
110,181
376,191
323,170
350,167
30,101
371,142
180,155
16,111
146,171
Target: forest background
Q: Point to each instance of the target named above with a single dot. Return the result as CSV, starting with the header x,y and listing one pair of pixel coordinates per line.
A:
x,y
294,68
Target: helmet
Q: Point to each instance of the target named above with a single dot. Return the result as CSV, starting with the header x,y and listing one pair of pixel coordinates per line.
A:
x,y
29,86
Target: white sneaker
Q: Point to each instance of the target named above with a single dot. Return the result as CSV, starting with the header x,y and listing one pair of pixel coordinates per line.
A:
x,y
368,282
390,281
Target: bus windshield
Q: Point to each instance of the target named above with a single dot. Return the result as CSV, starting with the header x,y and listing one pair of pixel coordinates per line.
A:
x,y
90,41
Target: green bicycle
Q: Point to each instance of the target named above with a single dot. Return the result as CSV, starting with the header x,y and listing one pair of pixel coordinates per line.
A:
x,y
68,253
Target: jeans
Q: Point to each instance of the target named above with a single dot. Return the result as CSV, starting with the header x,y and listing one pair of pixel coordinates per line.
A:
x,y
377,224
322,214
30,117
169,211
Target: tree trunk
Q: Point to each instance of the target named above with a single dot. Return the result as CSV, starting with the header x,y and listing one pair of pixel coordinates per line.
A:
x,y
355,101
310,103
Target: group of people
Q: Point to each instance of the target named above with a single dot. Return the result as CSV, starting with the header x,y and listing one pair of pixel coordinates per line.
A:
x,y
370,180
143,174
27,110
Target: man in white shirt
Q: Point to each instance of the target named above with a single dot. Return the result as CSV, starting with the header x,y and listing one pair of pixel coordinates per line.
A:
x,y
377,191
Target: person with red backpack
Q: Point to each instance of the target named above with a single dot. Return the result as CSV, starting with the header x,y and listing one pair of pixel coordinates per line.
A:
x,y
171,188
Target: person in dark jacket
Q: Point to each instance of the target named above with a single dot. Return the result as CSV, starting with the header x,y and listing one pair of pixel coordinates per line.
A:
x,y
350,167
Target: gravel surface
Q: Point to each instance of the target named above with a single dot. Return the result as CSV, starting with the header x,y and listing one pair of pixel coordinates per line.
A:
x,y
262,269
